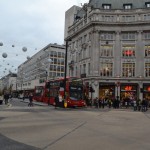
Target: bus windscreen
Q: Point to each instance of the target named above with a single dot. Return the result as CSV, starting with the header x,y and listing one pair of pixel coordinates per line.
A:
x,y
76,89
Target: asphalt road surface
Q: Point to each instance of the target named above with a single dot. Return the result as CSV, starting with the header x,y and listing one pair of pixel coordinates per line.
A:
x,y
46,128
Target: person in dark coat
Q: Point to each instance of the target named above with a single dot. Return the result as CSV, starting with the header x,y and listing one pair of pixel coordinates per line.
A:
x,y
30,100
6,97
56,101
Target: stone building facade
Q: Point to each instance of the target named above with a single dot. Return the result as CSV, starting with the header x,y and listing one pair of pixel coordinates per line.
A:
x,y
110,47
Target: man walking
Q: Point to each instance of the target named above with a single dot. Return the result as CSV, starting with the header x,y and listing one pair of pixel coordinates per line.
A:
x,y
6,97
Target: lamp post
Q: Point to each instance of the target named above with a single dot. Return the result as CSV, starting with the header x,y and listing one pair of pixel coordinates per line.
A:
x,y
65,70
49,61
46,75
117,85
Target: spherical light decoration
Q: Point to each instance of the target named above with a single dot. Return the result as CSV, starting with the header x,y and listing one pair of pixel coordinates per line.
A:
x,y
4,55
24,49
1,44
28,57
49,60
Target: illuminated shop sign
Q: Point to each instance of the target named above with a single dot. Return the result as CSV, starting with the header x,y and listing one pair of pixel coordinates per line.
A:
x,y
128,52
147,88
128,88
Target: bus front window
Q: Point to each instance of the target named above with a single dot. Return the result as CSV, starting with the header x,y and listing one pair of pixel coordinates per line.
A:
x,y
75,95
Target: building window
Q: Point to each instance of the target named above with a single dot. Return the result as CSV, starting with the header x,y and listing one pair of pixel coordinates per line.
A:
x,y
146,17
127,6
147,35
108,18
128,69
147,69
128,36
128,18
85,39
106,69
84,69
76,71
84,53
128,51
88,68
106,51
147,4
107,36
147,50
80,69
106,6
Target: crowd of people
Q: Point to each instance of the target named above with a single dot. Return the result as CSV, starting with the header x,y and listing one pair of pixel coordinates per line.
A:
x,y
136,104
102,102
6,97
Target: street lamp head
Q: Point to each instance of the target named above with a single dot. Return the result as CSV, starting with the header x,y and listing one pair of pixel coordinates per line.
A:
x,y
67,40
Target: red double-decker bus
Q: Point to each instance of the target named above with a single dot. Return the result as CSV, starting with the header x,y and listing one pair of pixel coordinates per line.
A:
x,y
74,91
38,93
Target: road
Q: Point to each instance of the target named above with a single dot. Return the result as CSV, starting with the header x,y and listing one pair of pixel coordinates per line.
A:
x,y
46,128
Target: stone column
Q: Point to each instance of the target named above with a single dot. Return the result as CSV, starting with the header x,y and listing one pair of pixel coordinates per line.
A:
x,y
140,61
95,85
95,54
139,55
117,55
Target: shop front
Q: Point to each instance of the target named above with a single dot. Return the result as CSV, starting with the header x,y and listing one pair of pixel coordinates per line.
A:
x,y
128,91
146,91
107,90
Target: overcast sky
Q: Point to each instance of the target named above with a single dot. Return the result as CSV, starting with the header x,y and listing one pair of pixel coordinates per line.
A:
x,y
32,24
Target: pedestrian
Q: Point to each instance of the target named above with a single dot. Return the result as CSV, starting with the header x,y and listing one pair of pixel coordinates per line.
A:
x,y
30,100
135,105
100,103
146,104
103,103
96,102
109,103
139,102
143,105
126,103
6,97
56,101
1,99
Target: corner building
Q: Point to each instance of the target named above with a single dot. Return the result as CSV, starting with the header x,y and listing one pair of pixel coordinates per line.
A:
x,y
110,47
